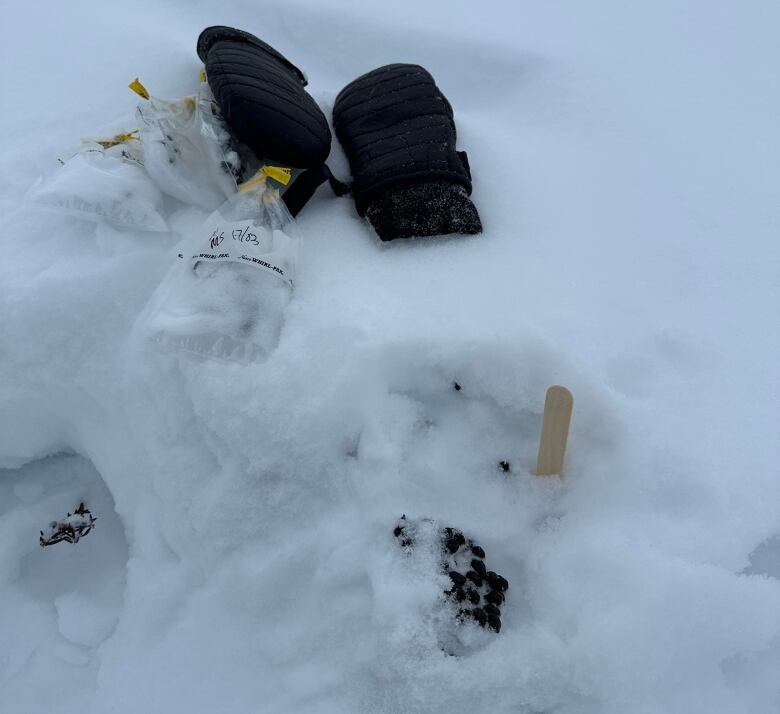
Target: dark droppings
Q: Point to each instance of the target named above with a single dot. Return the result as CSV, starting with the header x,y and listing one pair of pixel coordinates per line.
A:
x,y
477,591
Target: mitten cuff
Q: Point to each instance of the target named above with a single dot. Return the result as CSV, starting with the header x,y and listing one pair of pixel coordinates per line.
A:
x,y
425,208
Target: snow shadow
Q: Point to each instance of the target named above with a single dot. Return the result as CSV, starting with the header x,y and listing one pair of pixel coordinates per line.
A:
x,y
63,601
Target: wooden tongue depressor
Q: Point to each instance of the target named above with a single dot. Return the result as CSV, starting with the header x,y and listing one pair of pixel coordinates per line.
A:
x,y
558,405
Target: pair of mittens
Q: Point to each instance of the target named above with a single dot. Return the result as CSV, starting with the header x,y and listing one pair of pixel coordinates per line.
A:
x,y
396,127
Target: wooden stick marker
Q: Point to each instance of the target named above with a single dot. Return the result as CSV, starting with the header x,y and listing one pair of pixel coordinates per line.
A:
x,y
558,405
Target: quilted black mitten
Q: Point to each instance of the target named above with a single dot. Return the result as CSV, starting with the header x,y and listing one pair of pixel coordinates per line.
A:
x,y
262,98
398,132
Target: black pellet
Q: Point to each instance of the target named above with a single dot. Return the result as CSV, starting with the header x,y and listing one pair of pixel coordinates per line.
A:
x,y
473,596
454,543
491,609
478,566
475,578
496,581
458,578
495,596
479,615
495,622
477,551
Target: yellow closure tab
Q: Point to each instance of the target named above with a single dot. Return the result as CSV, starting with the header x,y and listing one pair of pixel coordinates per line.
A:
x,y
202,75
281,174
118,139
257,180
139,88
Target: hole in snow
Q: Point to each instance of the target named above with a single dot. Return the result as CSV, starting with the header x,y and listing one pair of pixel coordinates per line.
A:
x,y
81,584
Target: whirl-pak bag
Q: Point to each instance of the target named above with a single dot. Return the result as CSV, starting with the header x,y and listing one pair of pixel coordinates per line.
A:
x,y
187,149
104,181
225,296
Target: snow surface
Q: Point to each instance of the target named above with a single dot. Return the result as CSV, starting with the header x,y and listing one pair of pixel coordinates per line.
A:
x,y
626,160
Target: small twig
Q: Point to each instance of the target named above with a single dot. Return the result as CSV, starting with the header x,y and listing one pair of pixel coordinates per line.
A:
x,y
71,528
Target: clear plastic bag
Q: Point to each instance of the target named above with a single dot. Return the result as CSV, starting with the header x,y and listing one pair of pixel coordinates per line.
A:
x,y
190,152
226,295
103,181
226,155
174,153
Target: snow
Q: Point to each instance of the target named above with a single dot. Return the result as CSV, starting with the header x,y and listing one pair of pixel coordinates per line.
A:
x,y
625,162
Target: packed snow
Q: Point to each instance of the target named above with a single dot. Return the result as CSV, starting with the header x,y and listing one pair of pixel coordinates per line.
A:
x,y
625,160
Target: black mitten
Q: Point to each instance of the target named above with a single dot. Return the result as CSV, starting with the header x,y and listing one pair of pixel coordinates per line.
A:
x,y
262,98
398,132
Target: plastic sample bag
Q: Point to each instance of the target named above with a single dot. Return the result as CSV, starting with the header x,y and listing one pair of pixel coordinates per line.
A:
x,y
225,297
103,181
189,151
226,155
